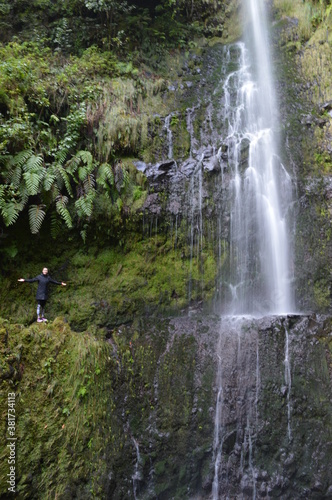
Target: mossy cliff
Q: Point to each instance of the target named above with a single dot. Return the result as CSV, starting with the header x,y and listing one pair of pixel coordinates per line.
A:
x,y
96,412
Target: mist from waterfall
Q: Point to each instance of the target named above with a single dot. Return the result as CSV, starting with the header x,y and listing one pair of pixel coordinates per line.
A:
x,y
260,255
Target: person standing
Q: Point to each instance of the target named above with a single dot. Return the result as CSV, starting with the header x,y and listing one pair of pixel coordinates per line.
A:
x,y
44,279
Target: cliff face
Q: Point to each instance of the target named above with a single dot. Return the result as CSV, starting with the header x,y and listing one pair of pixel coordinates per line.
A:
x,y
168,408
127,408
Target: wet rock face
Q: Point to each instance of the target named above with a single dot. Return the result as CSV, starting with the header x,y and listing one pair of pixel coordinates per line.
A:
x,y
277,399
238,407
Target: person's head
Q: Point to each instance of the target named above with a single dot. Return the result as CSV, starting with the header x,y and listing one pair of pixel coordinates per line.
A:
x,y
45,270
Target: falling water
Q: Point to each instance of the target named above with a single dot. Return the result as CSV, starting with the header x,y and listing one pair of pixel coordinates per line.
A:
x,y
169,136
137,476
259,278
195,195
236,428
288,382
261,187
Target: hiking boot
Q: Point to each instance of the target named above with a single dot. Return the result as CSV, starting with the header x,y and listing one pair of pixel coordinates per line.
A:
x,y
39,320
44,319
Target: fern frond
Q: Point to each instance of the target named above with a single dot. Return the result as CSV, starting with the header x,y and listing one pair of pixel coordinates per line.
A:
x,y
55,225
36,217
62,210
49,178
125,178
15,176
82,157
105,176
32,181
21,158
86,158
5,160
24,196
10,212
72,164
34,164
83,235
64,176
61,156
89,183
84,204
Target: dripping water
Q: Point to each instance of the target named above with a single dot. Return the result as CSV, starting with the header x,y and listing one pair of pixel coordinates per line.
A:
x,y
137,476
169,136
288,382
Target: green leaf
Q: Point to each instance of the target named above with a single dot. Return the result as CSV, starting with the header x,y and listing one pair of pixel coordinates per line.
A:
x,y
32,181
62,210
49,178
34,163
36,217
10,212
105,176
84,205
64,176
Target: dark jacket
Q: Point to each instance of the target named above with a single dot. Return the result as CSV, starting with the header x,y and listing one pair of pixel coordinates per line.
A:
x,y
43,282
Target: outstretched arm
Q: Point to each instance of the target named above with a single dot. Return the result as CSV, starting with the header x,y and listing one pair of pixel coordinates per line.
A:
x,y
62,283
21,279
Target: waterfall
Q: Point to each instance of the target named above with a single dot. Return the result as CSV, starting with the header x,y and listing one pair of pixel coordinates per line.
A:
x,y
261,188
259,278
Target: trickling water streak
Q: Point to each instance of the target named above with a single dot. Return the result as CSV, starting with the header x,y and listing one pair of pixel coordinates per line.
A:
x,y
258,384
169,135
251,467
136,477
195,221
288,382
217,444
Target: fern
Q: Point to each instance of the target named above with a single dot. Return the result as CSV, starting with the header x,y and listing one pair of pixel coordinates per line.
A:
x,y
55,225
83,235
126,178
84,204
32,181
10,212
36,217
49,178
60,205
21,158
89,183
86,158
64,176
105,176
34,163
61,156
15,176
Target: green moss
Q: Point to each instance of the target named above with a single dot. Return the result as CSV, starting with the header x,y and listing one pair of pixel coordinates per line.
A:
x,y
322,294
59,380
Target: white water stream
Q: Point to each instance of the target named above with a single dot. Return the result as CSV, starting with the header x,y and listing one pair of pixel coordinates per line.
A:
x,y
260,250
261,187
